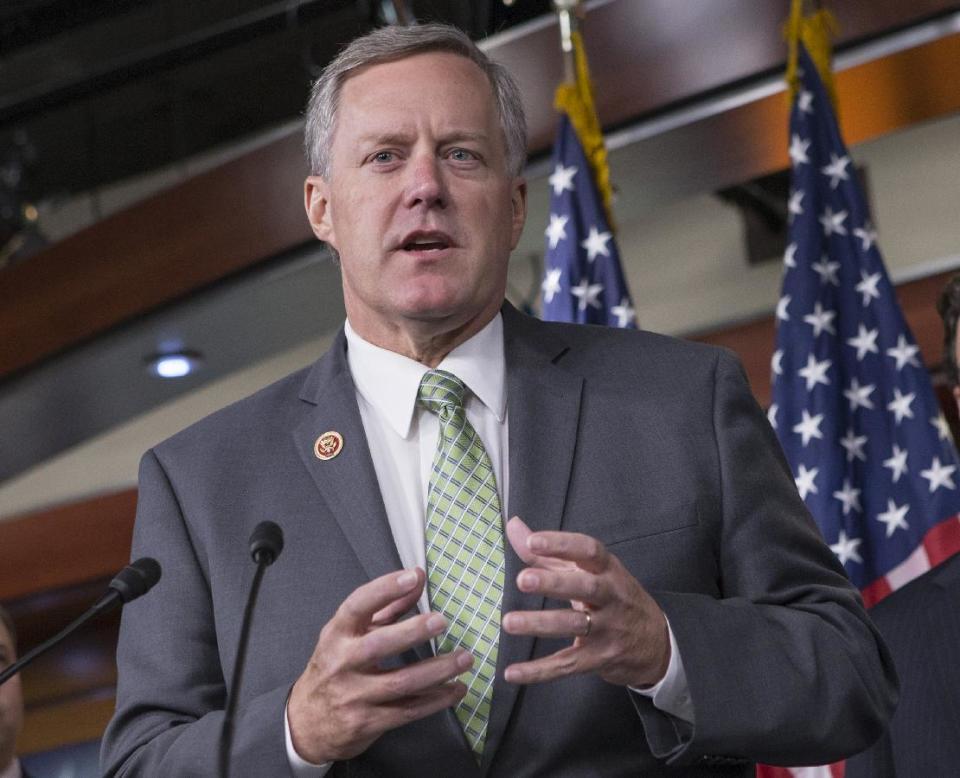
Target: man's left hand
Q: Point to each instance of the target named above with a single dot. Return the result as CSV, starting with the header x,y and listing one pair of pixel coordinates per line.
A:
x,y
618,630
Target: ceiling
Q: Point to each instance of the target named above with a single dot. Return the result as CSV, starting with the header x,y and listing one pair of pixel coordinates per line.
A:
x,y
94,92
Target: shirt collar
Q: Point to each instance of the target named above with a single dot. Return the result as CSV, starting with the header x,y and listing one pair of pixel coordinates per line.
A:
x,y
390,381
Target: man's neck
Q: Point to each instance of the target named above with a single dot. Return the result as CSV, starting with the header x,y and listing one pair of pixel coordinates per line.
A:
x,y
426,342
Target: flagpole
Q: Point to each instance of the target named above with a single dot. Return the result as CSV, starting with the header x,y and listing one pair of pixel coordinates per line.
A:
x,y
567,13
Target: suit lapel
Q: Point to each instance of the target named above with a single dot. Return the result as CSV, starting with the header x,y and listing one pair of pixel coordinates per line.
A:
x,y
347,482
543,406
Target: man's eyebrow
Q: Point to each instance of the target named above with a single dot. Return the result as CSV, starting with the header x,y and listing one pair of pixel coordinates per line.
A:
x,y
385,139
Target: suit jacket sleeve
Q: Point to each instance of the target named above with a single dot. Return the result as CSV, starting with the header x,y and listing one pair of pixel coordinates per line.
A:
x,y
171,690
784,666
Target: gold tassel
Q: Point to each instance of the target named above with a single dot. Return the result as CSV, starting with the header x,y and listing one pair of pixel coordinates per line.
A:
x,y
816,32
576,100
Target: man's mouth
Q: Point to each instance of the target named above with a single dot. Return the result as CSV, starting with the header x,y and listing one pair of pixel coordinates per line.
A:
x,y
426,241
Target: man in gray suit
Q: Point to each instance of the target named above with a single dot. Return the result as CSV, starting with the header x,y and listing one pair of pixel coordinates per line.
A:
x,y
659,604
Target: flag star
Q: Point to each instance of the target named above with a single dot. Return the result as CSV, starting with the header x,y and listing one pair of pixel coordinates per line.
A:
x,y
837,169
827,270
596,243
772,415
849,496
854,445
789,255
859,396
562,179
894,517
820,320
587,294
782,305
798,150
557,230
866,341
805,101
900,405
897,463
809,427
905,353
867,234
795,204
806,481
868,287
551,284
624,312
846,549
776,362
833,222
939,475
815,372
941,425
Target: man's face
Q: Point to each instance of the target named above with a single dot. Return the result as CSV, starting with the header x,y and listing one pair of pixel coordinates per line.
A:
x,y
11,701
419,203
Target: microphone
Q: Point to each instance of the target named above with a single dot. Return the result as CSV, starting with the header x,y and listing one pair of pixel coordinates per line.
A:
x,y
135,580
266,543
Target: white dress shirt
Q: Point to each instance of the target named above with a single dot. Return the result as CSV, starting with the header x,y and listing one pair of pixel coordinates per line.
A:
x,y
403,437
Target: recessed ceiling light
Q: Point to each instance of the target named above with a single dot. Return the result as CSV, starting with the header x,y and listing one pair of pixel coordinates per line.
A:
x,y
174,365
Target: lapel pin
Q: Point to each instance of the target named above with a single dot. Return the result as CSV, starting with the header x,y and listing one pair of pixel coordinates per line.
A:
x,y
328,445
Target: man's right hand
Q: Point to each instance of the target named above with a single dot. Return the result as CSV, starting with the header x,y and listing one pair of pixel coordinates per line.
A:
x,y
344,700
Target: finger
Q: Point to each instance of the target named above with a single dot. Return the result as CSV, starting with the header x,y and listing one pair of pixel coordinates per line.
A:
x,y
547,624
573,584
420,677
404,711
393,639
587,552
517,534
401,606
567,661
356,612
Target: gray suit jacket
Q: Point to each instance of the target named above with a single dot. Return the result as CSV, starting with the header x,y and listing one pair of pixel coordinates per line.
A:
x,y
652,445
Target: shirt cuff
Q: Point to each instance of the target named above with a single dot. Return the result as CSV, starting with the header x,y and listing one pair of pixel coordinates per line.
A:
x,y
671,693
299,766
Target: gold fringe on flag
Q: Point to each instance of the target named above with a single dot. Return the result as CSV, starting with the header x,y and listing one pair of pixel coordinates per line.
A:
x,y
576,100
815,31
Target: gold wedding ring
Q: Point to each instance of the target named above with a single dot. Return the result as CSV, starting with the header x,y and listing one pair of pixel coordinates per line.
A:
x,y
589,622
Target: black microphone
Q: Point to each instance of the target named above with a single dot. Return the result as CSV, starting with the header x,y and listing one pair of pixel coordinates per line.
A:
x,y
135,580
266,543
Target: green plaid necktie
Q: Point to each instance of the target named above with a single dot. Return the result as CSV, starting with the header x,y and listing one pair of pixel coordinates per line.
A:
x,y
464,537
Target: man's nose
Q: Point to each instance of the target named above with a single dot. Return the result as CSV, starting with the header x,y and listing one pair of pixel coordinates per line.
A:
x,y
425,187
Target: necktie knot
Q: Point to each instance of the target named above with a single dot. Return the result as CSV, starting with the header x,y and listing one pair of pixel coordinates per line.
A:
x,y
440,390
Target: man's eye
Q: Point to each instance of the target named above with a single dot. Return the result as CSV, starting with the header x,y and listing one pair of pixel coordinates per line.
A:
x,y
462,155
383,156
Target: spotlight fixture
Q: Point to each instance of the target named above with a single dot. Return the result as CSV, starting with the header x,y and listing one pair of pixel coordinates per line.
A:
x,y
174,364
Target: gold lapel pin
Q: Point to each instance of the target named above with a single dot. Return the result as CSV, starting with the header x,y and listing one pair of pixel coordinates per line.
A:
x,y
328,445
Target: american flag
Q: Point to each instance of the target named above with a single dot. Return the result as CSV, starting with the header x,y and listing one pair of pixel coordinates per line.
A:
x,y
583,281
852,402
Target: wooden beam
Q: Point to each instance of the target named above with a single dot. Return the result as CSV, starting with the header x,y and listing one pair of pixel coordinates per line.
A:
x,y
65,545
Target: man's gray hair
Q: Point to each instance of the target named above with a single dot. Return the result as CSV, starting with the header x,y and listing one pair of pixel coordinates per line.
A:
x,y
392,43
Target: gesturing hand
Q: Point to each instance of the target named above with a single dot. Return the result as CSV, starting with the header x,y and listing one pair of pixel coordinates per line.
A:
x,y
618,630
344,700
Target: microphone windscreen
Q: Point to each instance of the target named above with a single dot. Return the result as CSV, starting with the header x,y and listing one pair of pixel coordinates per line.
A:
x,y
266,542
136,579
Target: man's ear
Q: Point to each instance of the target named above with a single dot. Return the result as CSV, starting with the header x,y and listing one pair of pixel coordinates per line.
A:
x,y
316,200
518,200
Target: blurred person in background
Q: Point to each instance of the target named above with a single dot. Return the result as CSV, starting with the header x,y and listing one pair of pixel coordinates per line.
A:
x,y
11,701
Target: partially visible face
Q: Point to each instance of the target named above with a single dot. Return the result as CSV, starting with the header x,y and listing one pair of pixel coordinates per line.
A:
x,y
956,356
419,203
11,701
